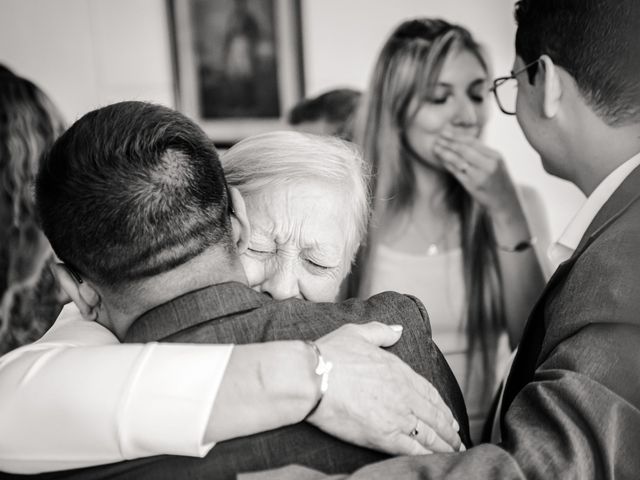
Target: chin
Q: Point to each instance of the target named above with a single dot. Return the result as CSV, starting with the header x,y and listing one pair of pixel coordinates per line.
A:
x,y
430,162
553,168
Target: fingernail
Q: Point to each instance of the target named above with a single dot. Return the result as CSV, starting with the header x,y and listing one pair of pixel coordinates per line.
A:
x,y
463,448
456,426
396,328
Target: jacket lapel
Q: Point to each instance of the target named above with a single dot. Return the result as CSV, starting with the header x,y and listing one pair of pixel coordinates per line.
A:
x,y
527,359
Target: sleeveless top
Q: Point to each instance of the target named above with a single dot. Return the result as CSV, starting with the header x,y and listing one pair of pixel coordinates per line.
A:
x,y
438,281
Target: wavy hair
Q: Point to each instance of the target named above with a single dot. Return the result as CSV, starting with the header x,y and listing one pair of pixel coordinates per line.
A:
x,y
29,124
408,68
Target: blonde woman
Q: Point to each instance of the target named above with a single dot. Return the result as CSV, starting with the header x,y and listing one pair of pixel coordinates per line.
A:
x,y
449,226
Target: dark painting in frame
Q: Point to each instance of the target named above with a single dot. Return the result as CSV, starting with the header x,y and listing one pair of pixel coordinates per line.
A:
x,y
237,64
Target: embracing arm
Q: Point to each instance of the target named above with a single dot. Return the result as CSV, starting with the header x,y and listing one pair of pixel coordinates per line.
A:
x,y
112,401
117,402
578,418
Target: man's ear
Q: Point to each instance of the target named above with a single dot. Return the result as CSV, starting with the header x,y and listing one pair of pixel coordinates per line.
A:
x,y
84,295
552,86
239,221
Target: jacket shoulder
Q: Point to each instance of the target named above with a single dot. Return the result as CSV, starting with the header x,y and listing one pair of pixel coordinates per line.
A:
x,y
603,284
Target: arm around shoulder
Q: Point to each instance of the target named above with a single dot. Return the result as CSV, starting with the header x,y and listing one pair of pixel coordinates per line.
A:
x,y
109,402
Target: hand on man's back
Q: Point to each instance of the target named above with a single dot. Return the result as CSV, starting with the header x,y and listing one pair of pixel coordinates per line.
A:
x,y
377,401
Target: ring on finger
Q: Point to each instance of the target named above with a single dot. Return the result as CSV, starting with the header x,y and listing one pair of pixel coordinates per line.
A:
x,y
414,433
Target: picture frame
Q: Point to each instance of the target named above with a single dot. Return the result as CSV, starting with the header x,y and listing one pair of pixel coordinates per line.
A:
x,y
238,64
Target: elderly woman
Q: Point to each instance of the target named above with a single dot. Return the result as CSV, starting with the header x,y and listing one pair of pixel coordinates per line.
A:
x,y
307,203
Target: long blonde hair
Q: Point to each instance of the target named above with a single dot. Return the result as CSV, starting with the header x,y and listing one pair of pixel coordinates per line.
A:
x,y
29,124
408,68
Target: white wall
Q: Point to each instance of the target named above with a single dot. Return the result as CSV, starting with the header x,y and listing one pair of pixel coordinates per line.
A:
x,y
86,53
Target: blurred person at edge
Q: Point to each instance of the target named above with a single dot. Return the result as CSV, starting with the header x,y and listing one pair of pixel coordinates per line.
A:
x,y
330,113
30,298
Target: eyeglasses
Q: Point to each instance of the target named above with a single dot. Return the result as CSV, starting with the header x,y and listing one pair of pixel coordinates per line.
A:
x,y
508,95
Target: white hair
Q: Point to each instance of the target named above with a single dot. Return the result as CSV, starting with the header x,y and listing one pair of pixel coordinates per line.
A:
x,y
259,163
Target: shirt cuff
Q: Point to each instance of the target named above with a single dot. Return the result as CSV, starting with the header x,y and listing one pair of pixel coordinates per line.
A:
x,y
168,403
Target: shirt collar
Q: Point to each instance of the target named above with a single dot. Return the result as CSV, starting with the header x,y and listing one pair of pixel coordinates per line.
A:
x,y
570,238
209,303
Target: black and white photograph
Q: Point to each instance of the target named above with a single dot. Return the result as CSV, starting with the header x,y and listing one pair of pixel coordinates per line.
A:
x,y
319,239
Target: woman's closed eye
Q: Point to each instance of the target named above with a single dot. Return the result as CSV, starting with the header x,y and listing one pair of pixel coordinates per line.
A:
x,y
437,99
478,92
321,266
477,98
315,264
261,250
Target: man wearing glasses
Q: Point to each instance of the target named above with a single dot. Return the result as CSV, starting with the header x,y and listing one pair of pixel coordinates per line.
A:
x,y
571,404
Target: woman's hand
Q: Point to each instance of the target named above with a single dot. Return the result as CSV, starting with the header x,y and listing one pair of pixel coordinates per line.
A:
x,y
480,170
375,400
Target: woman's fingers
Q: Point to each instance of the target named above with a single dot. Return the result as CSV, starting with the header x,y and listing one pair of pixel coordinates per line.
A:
x,y
473,142
452,159
437,429
469,153
408,445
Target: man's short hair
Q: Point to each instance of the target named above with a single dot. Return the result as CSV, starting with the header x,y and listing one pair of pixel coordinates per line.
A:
x,y
132,190
596,41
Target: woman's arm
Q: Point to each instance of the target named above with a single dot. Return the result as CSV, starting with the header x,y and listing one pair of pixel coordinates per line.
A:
x,y
78,398
523,276
482,172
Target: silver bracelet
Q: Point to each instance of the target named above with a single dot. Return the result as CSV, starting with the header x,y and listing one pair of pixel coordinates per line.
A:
x,y
322,369
518,247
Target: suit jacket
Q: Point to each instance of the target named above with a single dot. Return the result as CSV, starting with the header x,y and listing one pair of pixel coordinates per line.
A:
x,y
571,407
233,313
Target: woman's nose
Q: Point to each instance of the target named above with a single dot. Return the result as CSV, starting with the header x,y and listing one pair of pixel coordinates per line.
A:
x,y
466,114
282,283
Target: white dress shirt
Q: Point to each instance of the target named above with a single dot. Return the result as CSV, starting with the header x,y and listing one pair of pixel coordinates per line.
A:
x,y
78,398
570,238
563,249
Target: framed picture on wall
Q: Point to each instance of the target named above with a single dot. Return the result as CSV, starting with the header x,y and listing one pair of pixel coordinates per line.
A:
x,y
238,63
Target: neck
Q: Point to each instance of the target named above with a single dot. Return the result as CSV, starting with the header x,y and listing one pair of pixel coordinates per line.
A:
x,y
121,309
601,165
604,149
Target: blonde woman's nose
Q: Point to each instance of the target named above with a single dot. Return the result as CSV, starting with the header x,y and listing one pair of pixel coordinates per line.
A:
x,y
466,114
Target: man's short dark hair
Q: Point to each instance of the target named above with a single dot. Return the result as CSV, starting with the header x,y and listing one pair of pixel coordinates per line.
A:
x,y
132,190
596,41
335,106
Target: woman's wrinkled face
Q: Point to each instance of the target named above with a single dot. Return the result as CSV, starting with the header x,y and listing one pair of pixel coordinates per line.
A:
x,y
458,105
299,245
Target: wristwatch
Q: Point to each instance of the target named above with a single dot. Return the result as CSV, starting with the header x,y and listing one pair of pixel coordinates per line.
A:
x,y
518,247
